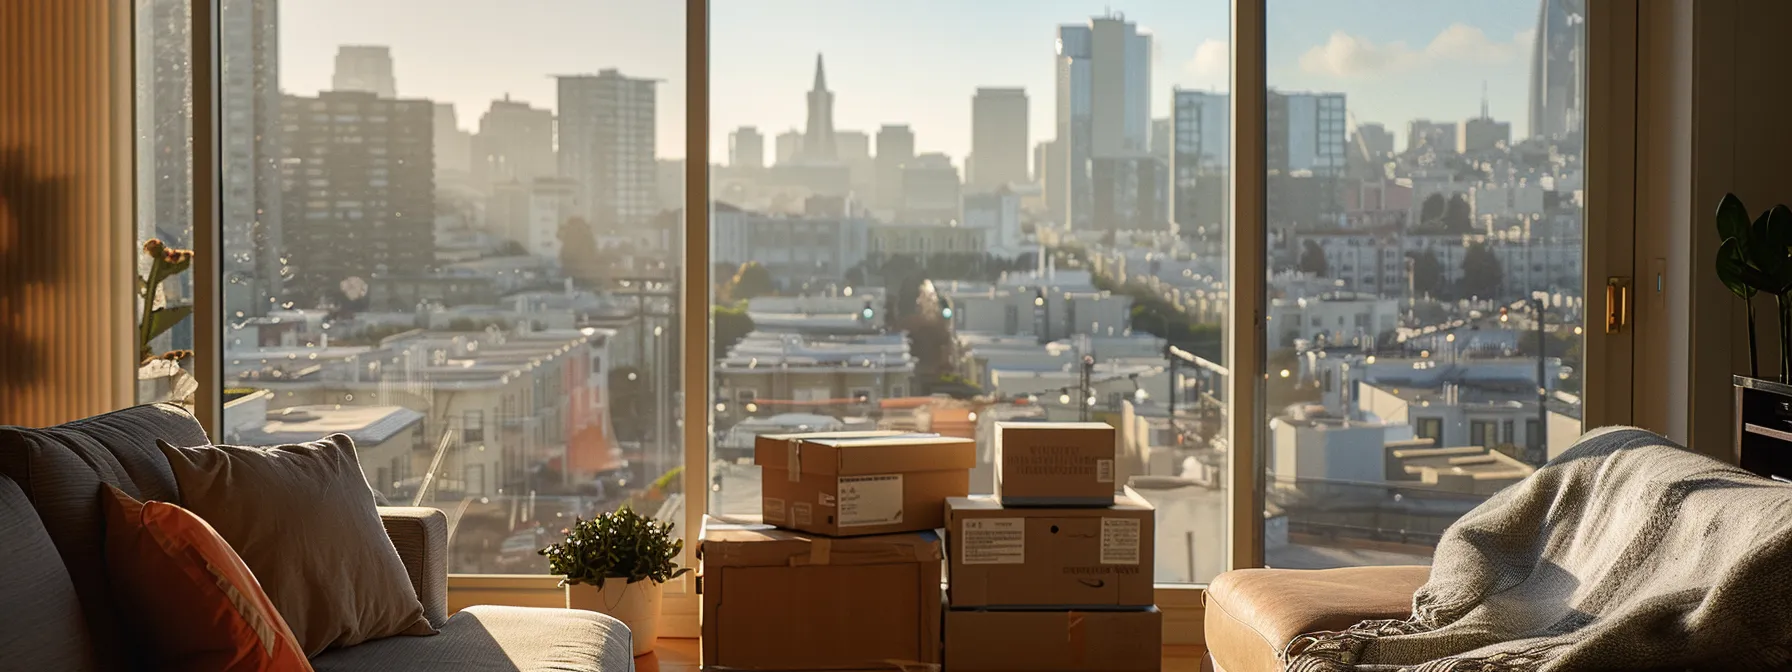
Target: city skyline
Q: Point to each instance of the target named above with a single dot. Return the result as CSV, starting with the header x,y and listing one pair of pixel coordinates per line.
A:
x,y
1432,63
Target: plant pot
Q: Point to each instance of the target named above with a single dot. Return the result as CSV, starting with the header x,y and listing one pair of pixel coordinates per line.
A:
x,y
636,604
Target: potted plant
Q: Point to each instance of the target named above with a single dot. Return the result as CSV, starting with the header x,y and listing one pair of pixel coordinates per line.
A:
x,y
615,564
162,377
1755,258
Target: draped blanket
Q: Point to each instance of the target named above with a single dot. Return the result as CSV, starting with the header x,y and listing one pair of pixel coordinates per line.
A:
x,y
1627,552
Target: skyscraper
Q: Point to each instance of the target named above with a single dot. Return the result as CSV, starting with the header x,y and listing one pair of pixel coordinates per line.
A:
x,y
165,102
1306,133
998,139
359,193
746,148
607,147
1558,64
1104,102
454,148
1482,133
1200,152
365,67
895,149
250,73
1438,135
789,146
1375,139
515,143
818,135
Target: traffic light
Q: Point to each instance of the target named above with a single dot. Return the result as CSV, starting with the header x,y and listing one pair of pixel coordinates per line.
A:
x,y
868,312
945,308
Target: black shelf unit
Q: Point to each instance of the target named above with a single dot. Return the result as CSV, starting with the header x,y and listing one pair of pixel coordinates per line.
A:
x,y
1764,427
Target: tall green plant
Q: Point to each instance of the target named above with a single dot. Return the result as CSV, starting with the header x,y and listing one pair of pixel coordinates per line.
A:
x,y
164,263
1756,257
621,544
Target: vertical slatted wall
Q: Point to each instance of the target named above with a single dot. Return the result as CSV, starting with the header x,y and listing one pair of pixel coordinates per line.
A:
x,y
66,233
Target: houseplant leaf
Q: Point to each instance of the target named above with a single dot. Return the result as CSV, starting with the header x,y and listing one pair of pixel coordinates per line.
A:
x,y
1731,267
1778,244
1732,219
163,319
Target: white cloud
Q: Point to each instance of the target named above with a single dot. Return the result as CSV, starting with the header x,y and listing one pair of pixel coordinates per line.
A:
x,y
1346,55
1212,59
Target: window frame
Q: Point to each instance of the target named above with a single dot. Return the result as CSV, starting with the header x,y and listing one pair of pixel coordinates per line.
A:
x,y
1609,219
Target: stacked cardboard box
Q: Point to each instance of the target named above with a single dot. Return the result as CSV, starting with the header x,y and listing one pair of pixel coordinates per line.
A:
x,y
844,571
1055,573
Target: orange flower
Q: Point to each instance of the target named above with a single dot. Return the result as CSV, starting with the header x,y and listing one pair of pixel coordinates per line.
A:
x,y
153,247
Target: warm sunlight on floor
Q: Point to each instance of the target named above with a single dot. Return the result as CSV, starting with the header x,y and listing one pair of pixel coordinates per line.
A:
x,y
681,655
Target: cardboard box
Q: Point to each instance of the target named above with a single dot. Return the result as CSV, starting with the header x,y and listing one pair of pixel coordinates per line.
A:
x,y
1054,641
780,600
1055,463
863,485
1058,558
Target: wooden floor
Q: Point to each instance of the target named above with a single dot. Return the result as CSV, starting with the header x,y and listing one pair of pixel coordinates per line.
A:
x,y
681,655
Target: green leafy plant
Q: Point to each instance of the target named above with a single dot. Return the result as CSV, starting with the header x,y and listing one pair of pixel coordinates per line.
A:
x,y
621,544
1756,257
164,263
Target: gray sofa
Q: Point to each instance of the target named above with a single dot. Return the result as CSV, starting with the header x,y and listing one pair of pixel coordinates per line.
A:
x,y
56,610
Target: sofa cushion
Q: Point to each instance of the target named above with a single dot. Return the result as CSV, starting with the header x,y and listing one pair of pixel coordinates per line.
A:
x,y
60,470
302,518
1252,614
498,639
194,602
41,624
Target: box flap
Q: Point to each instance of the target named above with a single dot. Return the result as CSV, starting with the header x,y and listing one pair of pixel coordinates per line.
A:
x,y
897,454
1128,500
726,543
773,450
1011,425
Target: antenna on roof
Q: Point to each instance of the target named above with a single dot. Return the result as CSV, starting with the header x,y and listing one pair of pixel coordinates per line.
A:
x,y
1484,100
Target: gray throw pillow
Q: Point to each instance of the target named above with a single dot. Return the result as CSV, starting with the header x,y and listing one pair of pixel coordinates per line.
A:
x,y
303,520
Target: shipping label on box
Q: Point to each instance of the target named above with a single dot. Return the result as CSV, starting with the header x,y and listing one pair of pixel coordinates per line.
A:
x,y
1055,463
859,485
1058,557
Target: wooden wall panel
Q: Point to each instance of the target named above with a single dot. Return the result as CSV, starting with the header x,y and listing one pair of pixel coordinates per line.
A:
x,y
66,242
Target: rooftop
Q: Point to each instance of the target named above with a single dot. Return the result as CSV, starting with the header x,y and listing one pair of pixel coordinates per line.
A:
x,y
367,425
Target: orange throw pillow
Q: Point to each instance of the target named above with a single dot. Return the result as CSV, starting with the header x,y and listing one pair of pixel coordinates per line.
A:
x,y
192,601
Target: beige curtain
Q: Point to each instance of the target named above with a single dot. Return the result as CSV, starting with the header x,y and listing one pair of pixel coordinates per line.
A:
x,y
66,236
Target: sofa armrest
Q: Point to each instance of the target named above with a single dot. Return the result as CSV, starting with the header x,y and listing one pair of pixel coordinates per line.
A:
x,y
421,536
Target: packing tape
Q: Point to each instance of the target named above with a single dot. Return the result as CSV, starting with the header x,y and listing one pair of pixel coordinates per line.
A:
x,y
1073,631
794,458
819,548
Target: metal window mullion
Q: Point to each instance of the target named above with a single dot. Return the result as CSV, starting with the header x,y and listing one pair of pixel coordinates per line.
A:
x,y
694,315
208,300
1244,315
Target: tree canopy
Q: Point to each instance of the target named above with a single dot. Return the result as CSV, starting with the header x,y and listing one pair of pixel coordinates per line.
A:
x,y
1312,259
1458,216
1482,275
750,282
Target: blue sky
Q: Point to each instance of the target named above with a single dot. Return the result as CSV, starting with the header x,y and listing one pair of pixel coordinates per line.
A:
x,y
915,61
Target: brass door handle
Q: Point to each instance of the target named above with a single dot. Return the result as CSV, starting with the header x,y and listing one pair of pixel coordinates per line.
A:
x,y
1617,304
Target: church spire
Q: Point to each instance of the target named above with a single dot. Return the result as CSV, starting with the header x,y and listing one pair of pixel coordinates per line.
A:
x,y
821,80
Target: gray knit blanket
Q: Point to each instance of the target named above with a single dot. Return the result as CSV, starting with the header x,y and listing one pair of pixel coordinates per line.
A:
x,y
1627,552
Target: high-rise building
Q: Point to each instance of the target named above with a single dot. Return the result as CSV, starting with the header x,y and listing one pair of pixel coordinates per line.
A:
x,y
359,193
818,135
1483,133
854,149
1558,65
365,67
1438,135
1201,151
454,146
998,139
746,148
1307,133
1131,193
607,147
1103,103
251,214
164,100
515,143
790,146
1375,140
895,149
930,191
530,213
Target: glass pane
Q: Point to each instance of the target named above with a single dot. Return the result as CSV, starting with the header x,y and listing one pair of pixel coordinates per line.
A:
x,y
465,256
1425,315
164,102
1011,224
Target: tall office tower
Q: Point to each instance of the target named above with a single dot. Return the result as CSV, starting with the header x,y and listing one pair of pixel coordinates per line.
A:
x,y
854,149
931,191
454,148
895,149
365,67
746,148
818,135
1483,133
1374,139
250,72
851,145
607,147
1161,138
1558,66
164,101
359,193
515,143
998,139
1438,135
1104,102
1201,151
789,146
1306,133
